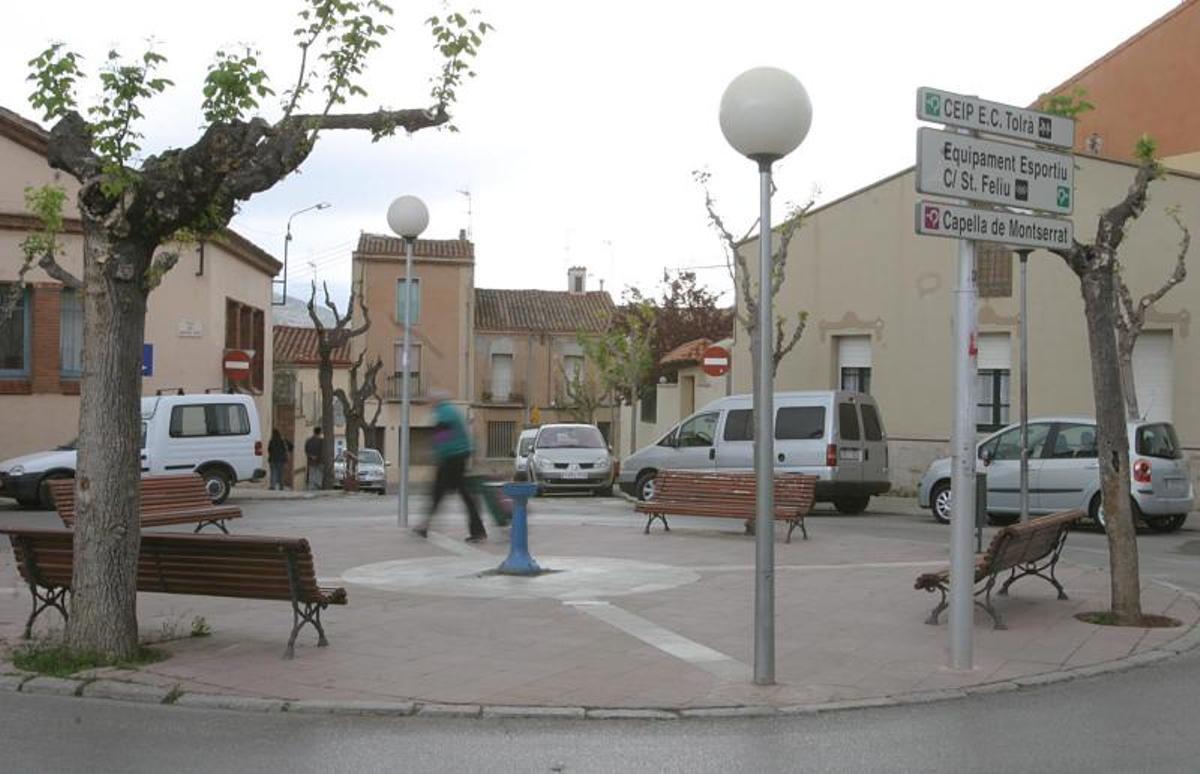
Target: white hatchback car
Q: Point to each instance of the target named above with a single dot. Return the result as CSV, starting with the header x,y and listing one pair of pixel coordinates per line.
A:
x,y
1064,473
215,435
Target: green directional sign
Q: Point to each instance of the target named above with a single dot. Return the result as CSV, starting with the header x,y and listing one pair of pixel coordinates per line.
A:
x,y
933,105
1064,197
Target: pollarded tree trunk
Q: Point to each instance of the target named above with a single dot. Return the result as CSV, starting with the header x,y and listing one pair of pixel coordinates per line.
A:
x,y
1128,386
103,615
325,380
1113,444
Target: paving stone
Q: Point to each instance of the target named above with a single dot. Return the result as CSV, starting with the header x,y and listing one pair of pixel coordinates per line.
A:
x,y
52,686
449,710
115,689
852,704
331,707
631,714
218,701
503,711
924,697
727,712
988,688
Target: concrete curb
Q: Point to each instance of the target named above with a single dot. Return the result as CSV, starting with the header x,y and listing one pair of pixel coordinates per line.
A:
x,y
117,690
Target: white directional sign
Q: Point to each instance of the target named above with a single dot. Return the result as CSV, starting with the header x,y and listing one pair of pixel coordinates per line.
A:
x,y
1008,228
950,164
945,107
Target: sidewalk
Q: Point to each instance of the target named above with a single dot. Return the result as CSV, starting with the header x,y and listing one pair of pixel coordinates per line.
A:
x,y
658,621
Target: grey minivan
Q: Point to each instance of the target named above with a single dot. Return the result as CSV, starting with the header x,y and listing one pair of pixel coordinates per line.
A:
x,y
836,435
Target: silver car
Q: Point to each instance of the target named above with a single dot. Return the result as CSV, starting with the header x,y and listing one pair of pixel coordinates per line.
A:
x,y
1064,473
523,450
571,456
371,470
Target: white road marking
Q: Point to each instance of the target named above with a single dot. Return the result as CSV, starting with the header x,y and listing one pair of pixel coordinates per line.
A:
x,y
856,566
712,661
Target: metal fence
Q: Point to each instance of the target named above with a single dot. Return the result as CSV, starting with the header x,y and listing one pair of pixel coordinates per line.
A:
x,y
501,439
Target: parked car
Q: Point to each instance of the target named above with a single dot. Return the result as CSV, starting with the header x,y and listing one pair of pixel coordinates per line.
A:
x,y
835,435
571,456
215,435
1064,473
521,454
371,471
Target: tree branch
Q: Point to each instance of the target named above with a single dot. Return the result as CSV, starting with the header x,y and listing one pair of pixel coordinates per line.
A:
x,y
782,348
49,264
1176,277
70,148
378,123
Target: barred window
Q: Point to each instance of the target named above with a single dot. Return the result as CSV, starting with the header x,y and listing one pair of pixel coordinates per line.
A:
x,y
993,270
501,439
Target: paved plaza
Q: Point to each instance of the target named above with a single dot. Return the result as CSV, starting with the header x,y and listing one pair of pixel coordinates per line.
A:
x,y
625,620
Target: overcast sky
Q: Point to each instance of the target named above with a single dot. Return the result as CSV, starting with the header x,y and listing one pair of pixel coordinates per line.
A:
x,y
579,137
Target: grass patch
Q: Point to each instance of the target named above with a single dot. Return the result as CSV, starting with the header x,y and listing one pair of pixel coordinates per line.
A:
x,y
200,627
1147,621
53,658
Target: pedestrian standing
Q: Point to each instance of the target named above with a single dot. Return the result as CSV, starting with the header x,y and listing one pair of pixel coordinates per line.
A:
x,y
314,451
277,456
452,450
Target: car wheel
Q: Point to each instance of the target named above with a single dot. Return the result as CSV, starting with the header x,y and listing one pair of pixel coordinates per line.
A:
x,y
217,484
45,498
645,485
939,502
1165,523
1096,512
851,505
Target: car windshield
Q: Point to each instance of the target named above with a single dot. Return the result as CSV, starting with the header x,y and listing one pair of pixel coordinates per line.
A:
x,y
369,457
575,437
1158,440
526,445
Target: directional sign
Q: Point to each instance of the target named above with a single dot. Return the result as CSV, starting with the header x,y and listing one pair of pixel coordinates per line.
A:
x,y
237,365
1009,228
945,107
147,360
715,361
950,164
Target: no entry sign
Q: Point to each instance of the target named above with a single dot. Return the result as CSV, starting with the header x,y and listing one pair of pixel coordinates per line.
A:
x,y
237,365
715,361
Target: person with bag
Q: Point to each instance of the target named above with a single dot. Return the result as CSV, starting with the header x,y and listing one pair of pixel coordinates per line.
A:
x,y
452,450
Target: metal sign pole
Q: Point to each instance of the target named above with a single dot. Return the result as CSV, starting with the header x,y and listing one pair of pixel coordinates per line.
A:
x,y
764,452
405,399
1024,331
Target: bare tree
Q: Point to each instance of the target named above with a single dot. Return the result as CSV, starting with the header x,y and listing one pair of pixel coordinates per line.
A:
x,y
1131,316
739,272
131,206
354,402
582,393
329,340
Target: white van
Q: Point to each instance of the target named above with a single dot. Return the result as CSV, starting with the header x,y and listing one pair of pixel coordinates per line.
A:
x,y
215,435
835,435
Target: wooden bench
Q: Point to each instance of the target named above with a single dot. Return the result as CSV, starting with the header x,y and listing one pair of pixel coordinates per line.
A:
x,y
165,500
247,567
1032,548
727,495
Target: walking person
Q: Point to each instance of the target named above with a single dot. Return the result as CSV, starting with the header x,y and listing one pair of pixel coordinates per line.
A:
x,y
452,449
314,451
277,456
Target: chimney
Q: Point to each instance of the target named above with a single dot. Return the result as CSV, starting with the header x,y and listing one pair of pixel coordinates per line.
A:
x,y
462,235
577,279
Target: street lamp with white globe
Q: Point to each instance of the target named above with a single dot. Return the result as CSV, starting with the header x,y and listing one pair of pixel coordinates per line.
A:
x,y
407,217
765,115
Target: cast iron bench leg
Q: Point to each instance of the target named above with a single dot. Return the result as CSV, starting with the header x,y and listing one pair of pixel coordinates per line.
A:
x,y
51,598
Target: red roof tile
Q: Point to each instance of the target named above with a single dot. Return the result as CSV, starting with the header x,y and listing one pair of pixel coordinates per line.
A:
x,y
298,347
380,244
542,310
687,352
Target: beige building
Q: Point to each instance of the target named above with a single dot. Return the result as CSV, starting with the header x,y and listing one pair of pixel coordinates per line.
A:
x,y
880,301
216,298
297,393
499,355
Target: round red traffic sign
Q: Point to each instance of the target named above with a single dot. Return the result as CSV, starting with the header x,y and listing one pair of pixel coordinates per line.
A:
x,y
715,361
237,365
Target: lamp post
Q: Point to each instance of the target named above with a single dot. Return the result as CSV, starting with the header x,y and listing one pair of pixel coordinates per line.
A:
x,y
765,115
408,217
287,240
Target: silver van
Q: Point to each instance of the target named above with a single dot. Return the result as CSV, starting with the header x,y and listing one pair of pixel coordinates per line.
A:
x,y
835,435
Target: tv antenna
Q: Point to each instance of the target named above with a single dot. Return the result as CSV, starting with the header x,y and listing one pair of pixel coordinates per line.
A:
x,y
470,212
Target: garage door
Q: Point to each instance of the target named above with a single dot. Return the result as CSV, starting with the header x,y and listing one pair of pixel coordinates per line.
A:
x,y
1153,374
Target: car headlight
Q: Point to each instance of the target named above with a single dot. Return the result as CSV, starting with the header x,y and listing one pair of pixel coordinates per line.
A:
x,y
16,470
603,464
544,464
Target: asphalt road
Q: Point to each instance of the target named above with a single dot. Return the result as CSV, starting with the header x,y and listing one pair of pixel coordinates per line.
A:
x,y
1141,720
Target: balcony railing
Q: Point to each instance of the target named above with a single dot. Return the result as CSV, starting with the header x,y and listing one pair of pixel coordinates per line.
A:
x,y
394,385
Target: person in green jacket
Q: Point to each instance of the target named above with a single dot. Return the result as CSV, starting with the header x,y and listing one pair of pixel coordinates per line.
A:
x,y
451,450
